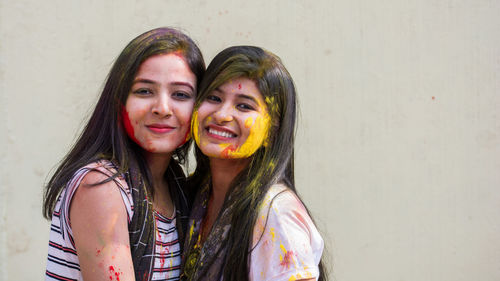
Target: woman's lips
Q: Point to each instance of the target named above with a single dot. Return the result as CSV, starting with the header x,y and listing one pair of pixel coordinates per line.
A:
x,y
160,129
220,133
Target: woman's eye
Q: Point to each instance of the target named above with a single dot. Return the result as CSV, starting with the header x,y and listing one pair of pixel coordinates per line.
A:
x,y
181,95
143,91
212,98
244,106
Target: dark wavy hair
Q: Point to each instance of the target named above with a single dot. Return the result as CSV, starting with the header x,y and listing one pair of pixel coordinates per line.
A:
x,y
269,164
104,136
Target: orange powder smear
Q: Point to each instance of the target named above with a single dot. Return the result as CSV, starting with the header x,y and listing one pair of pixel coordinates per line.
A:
x,y
249,122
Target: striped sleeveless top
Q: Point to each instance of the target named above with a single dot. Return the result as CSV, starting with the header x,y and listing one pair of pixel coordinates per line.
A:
x,y
62,258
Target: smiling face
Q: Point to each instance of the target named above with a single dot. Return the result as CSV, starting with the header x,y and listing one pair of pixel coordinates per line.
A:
x,y
158,109
232,122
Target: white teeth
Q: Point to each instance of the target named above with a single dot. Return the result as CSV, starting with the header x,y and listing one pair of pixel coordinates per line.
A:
x,y
220,133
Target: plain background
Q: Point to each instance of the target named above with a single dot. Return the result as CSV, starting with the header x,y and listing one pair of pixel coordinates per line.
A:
x,y
398,147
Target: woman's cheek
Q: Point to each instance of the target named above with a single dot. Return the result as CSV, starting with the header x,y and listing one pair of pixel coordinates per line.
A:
x,y
257,137
129,128
187,135
194,128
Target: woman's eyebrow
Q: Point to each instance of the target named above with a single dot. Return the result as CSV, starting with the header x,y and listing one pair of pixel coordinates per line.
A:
x,y
142,80
186,84
175,83
243,96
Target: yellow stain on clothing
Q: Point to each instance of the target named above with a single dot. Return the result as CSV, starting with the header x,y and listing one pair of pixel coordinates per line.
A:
x,y
295,277
283,249
273,234
191,230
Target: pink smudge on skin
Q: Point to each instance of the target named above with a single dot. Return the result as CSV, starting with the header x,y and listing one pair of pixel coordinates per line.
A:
x,y
128,126
239,86
178,53
287,260
114,273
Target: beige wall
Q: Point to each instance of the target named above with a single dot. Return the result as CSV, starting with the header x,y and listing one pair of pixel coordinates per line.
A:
x,y
398,151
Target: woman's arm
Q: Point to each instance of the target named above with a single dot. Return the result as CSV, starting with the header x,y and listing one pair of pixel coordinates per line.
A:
x,y
100,230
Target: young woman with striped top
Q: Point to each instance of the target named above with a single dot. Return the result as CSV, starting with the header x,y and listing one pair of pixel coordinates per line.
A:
x,y
117,200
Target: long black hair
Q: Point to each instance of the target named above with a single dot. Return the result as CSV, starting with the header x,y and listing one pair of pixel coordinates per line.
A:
x,y
104,136
270,164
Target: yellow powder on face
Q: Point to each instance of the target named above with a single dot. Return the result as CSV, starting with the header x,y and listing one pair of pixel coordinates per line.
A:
x,y
256,138
249,122
194,127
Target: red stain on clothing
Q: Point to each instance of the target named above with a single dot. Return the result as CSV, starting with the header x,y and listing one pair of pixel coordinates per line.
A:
x,y
128,126
287,260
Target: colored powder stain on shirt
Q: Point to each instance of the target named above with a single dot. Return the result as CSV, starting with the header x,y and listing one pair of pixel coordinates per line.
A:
x,y
287,260
273,234
191,230
295,277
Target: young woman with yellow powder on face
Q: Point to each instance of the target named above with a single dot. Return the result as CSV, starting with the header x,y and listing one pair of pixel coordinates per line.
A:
x,y
247,222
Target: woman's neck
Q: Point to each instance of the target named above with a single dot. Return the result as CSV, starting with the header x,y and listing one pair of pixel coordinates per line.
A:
x,y
158,164
223,172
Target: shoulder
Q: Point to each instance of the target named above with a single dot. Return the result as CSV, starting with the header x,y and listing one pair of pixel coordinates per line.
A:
x,y
286,243
97,186
282,210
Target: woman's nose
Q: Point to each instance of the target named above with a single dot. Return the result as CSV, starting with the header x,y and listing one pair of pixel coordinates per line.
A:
x,y
162,106
224,114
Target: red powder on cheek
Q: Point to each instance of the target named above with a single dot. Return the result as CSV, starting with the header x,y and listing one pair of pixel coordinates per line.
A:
x,y
186,137
128,126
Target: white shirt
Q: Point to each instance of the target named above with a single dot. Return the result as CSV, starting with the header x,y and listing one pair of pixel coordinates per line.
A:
x,y
286,244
